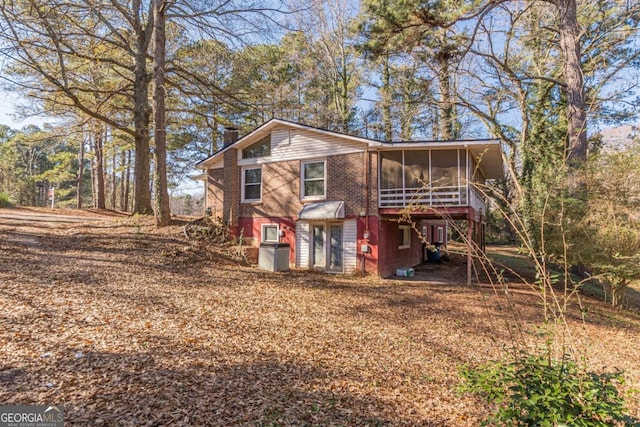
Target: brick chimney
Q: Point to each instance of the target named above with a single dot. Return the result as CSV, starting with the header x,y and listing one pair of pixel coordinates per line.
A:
x,y
230,135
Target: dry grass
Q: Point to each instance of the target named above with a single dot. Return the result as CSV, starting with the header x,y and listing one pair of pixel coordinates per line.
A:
x,y
124,324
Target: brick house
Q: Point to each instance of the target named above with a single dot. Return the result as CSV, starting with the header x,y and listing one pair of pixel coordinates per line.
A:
x,y
337,199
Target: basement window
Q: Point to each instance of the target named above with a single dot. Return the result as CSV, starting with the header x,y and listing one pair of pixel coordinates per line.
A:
x,y
405,236
270,232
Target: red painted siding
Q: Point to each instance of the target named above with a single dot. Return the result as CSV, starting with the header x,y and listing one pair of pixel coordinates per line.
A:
x,y
252,229
371,257
391,257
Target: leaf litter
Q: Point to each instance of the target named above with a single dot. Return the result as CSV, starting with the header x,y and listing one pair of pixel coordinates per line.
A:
x,y
127,325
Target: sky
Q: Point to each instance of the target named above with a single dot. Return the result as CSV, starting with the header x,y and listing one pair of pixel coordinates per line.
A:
x,y
7,112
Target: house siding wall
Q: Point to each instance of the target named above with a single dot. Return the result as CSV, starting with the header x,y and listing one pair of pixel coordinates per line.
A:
x,y
349,236
302,244
295,144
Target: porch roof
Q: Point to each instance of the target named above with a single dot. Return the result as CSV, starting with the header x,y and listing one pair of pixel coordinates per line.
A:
x,y
322,210
487,152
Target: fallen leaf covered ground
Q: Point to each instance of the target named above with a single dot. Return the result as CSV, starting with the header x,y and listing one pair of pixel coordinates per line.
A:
x,y
124,324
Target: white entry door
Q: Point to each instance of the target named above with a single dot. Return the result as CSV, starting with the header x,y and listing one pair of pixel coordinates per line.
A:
x,y
327,247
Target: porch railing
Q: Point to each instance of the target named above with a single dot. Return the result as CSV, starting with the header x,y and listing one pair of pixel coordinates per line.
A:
x,y
434,196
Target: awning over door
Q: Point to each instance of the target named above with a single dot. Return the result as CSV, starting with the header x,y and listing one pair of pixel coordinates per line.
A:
x,y
324,210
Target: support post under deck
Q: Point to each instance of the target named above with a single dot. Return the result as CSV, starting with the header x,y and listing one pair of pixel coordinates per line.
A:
x,y
469,249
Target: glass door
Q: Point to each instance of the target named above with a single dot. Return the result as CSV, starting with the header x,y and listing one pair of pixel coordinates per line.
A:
x,y
318,246
335,247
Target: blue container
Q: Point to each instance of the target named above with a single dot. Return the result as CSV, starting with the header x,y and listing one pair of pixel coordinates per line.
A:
x,y
433,255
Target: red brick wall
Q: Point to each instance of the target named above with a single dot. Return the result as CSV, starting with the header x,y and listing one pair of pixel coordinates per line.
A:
x,y
371,258
346,181
215,192
392,258
231,205
373,186
281,187
280,192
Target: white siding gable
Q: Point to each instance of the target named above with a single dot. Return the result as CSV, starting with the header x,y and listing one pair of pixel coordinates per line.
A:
x,y
295,144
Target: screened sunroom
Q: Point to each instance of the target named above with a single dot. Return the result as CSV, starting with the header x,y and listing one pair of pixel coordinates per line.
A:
x,y
437,177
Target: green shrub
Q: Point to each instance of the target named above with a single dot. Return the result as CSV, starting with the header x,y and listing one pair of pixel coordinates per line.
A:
x,y
4,200
538,391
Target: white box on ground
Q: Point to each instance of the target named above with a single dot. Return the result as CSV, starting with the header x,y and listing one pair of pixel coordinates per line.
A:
x,y
405,272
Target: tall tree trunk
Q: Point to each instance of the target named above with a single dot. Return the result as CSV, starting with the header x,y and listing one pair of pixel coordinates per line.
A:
x,y
386,100
125,203
163,210
141,119
444,79
92,148
114,186
574,80
99,158
80,175
123,165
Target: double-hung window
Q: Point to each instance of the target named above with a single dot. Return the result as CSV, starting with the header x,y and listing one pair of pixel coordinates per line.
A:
x,y
251,184
314,181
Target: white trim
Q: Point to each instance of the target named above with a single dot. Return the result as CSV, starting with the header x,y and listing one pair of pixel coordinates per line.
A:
x,y
245,200
263,235
303,196
406,232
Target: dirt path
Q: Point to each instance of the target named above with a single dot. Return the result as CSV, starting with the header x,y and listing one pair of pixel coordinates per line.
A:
x,y
26,225
48,218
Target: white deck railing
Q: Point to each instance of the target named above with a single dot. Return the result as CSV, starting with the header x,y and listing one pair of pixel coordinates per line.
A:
x,y
430,196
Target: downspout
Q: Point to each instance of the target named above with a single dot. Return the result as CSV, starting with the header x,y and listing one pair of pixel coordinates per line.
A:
x,y
367,174
367,177
206,191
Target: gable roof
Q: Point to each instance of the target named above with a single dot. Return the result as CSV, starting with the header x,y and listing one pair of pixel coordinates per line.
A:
x,y
265,129
488,150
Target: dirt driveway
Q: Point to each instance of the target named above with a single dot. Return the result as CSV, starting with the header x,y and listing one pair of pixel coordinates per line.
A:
x,y
27,225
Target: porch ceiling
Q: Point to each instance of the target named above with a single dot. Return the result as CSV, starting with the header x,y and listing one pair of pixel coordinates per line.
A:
x,y
489,158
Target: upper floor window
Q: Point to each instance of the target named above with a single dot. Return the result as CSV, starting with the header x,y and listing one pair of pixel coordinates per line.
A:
x,y
261,148
313,180
251,184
